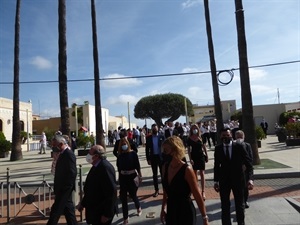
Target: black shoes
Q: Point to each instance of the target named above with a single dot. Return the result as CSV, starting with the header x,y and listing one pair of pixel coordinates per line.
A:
x,y
247,205
155,194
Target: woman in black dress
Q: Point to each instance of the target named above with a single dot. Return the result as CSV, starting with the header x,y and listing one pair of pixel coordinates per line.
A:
x,y
179,182
198,154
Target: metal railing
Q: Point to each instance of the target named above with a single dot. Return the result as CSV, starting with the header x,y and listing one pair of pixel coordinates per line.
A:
x,y
15,196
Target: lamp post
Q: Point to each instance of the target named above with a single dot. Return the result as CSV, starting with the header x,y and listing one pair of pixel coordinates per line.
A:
x,y
27,130
128,113
76,120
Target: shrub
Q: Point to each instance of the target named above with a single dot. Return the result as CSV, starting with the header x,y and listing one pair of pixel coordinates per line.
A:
x,y
284,117
259,132
5,145
23,135
293,129
84,141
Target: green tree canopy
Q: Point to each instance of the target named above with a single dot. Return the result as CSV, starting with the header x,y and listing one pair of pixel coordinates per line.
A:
x,y
160,106
79,113
284,117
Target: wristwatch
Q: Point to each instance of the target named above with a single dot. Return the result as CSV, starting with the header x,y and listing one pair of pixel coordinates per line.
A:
x,y
205,217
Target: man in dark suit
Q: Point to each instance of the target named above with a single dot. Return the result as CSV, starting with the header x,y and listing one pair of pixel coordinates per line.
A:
x,y
231,159
264,125
100,189
154,155
168,130
64,183
240,138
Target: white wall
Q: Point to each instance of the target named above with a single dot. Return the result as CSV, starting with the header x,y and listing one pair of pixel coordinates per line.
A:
x,y
6,116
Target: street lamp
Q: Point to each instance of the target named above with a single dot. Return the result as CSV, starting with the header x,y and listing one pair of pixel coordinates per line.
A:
x,y
29,101
27,130
76,118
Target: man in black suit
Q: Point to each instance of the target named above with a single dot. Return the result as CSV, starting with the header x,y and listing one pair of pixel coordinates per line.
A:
x,y
100,189
264,125
169,129
154,155
64,183
240,138
231,161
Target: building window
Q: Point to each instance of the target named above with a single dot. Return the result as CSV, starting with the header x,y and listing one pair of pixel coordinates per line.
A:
x,y
22,125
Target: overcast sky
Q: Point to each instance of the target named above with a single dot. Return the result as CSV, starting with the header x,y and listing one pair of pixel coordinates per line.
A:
x,y
139,38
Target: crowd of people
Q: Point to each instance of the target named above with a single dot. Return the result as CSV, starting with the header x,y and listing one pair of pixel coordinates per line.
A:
x,y
177,152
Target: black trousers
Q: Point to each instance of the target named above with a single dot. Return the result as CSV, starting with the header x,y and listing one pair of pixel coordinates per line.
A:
x,y
107,223
238,193
127,185
156,163
63,204
206,138
213,136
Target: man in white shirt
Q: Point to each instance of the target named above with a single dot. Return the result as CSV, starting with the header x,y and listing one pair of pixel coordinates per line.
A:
x,y
43,143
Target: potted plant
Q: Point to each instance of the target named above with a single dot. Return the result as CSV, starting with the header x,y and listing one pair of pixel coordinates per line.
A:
x,y
5,146
260,135
84,143
293,133
281,134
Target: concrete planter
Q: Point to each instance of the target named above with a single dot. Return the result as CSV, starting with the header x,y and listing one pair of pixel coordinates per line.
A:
x,y
82,152
4,154
259,143
293,142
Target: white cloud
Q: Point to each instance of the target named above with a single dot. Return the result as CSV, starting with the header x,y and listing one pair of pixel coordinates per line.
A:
x,y
254,74
194,91
41,63
190,70
257,74
122,82
122,99
190,3
257,90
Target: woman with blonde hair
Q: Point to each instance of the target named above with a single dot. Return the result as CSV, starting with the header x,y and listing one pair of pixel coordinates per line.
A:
x,y
129,176
179,182
197,154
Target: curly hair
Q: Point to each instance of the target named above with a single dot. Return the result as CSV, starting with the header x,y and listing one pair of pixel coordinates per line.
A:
x,y
176,145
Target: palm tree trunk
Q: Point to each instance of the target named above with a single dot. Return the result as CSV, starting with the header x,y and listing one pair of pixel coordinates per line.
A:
x,y
247,106
16,152
62,68
98,111
217,101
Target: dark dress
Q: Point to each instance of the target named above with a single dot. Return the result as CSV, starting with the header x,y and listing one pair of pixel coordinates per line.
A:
x,y
197,154
180,208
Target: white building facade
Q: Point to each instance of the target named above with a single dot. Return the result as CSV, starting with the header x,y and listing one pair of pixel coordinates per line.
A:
x,y
6,117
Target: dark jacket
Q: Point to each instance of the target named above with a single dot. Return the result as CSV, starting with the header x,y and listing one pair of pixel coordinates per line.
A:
x,y
149,145
65,173
100,192
232,170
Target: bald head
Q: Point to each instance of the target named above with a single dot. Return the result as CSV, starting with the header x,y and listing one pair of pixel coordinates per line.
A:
x,y
98,150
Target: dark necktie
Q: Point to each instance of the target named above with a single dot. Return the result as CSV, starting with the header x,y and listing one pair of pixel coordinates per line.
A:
x,y
227,152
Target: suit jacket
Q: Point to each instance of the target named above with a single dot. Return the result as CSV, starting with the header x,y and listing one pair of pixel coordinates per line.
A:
x,y
149,145
100,192
65,173
248,148
231,171
168,133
